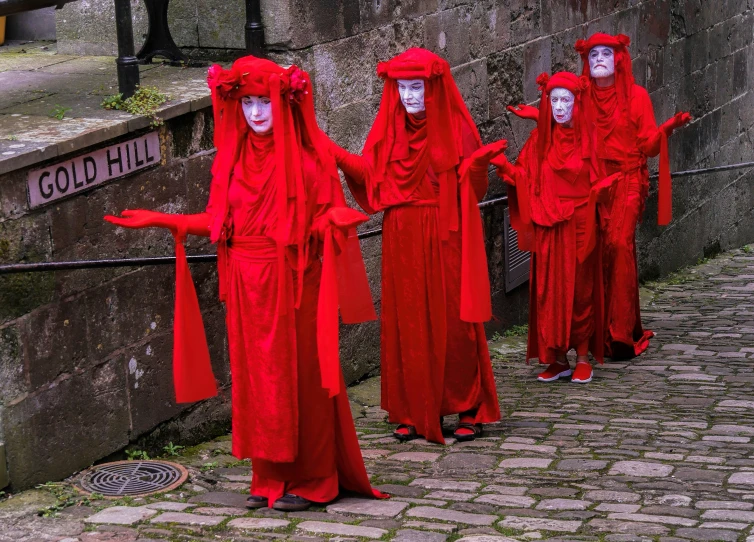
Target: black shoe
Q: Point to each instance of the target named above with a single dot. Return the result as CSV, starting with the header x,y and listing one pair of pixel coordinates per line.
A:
x,y
291,503
255,501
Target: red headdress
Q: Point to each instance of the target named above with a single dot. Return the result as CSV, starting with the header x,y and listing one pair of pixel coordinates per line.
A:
x,y
624,75
294,126
576,85
446,113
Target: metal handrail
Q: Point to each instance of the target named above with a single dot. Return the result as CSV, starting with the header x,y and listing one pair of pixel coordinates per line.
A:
x,y
202,258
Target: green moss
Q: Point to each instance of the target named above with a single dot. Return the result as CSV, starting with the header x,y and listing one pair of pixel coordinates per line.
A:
x,y
22,292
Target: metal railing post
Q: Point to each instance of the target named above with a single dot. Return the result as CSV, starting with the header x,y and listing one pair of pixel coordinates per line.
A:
x,y
254,28
128,64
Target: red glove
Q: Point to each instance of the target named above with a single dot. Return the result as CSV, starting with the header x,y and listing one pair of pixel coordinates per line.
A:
x,y
676,121
504,167
524,111
141,218
481,157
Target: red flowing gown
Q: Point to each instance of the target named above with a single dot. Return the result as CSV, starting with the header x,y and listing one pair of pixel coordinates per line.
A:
x,y
565,290
622,145
433,363
299,440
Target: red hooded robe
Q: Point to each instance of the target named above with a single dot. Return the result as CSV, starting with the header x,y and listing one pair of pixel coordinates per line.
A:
x,y
274,204
553,203
624,134
435,286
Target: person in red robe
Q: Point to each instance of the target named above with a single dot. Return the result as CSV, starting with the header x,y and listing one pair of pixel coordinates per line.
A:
x,y
283,232
624,134
423,166
553,199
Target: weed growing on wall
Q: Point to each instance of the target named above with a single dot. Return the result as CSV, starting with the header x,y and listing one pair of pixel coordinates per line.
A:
x,y
145,102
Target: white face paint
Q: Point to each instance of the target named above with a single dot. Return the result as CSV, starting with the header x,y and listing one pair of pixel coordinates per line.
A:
x,y
258,113
601,61
561,101
412,95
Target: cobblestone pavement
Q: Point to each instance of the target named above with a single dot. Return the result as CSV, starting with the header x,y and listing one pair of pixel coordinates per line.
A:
x,y
655,449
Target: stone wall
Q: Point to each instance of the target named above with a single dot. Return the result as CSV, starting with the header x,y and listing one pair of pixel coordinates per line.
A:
x,y
85,355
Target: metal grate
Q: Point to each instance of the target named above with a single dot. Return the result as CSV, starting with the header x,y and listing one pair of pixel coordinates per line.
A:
x,y
516,261
133,478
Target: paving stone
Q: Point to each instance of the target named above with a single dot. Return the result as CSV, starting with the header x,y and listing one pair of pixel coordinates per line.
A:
x,y
742,478
512,501
729,515
505,490
534,448
450,496
401,491
444,527
414,456
234,500
563,504
641,468
628,527
649,518
184,518
612,507
368,507
453,485
581,464
525,463
725,505
320,527
467,461
539,524
257,523
443,514
411,535
220,511
121,515
486,538
172,506
708,534
674,500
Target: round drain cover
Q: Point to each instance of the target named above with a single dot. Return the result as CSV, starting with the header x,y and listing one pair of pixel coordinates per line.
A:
x,y
133,478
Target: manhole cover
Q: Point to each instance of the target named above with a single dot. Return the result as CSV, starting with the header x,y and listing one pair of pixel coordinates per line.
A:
x,y
133,478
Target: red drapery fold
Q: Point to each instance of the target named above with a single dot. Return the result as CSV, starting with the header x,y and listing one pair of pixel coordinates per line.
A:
x,y
665,186
344,283
192,371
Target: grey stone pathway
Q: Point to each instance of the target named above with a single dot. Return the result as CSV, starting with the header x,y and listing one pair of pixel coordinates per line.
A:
x,y
656,449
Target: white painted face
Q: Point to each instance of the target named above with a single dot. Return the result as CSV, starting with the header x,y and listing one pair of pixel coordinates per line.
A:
x,y
412,95
561,101
258,113
601,61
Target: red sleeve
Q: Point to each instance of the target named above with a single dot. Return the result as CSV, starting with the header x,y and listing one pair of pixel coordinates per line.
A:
x,y
648,135
470,145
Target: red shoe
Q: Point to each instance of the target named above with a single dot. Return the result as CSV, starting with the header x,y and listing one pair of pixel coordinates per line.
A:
x,y
554,371
583,372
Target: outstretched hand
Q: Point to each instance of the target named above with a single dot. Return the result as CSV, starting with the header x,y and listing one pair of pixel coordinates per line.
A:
x,y
142,218
483,155
676,121
524,111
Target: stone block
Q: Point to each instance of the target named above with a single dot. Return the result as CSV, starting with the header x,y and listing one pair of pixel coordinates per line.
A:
x,y
185,518
525,21
376,13
505,75
368,507
537,59
342,77
25,239
471,79
412,535
121,515
298,24
443,514
13,377
509,501
219,24
468,462
66,427
235,500
447,33
88,28
640,468
257,523
321,527
539,524
453,485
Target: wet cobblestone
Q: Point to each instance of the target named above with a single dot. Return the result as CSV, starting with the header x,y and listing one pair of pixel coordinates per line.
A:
x,y
659,448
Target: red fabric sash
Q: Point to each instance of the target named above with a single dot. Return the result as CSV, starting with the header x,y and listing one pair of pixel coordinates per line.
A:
x,y
192,371
344,283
